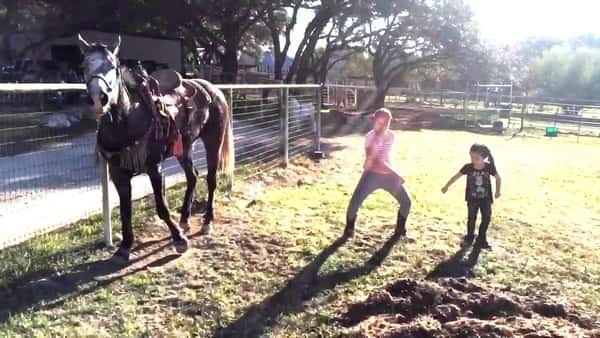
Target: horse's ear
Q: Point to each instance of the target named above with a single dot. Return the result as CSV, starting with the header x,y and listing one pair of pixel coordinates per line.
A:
x,y
117,46
84,43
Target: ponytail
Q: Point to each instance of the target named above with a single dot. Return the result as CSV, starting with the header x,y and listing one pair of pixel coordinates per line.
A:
x,y
486,153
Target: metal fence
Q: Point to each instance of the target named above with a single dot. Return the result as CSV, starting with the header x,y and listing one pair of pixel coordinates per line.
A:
x,y
49,176
472,108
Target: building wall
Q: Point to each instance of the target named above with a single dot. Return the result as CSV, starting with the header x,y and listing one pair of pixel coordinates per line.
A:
x,y
134,47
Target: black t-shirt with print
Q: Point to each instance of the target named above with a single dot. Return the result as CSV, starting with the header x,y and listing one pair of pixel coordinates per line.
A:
x,y
479,186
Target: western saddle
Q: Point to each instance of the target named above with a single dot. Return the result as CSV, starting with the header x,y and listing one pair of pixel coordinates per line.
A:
x,y
172,102
176,98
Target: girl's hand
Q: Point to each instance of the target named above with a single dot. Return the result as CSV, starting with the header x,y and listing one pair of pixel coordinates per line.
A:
x,y
444,190
497,194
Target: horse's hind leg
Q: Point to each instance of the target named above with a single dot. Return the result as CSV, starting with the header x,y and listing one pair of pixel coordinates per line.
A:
x,y
212,146
179,239
191,176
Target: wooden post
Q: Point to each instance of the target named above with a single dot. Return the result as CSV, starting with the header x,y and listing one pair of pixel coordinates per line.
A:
x,y
104,181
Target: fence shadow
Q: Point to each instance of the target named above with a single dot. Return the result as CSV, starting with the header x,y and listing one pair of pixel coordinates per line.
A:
x,y
303,287
44,291
457,265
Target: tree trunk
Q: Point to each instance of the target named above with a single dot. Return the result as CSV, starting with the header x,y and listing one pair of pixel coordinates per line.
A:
x,y
382,84
230,65
279,62
278,58
232,37
8,28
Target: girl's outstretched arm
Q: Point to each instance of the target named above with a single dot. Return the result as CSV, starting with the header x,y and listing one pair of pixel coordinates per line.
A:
x,y
498,185
451,181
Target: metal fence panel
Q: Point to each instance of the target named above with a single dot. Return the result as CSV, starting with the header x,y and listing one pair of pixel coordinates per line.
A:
x,y
49,174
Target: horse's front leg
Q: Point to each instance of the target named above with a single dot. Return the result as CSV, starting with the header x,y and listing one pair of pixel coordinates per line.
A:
x,y
180,241
122,181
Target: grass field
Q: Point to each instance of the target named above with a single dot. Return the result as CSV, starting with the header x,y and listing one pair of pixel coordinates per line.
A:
x,y
273,265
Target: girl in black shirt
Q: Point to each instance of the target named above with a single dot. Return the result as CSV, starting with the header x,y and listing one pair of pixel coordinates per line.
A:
x,y
478,193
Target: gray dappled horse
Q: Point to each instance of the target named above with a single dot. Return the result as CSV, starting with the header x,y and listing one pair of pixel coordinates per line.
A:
x,y
127,138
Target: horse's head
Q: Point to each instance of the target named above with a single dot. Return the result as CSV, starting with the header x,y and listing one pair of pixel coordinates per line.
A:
x,y
102,74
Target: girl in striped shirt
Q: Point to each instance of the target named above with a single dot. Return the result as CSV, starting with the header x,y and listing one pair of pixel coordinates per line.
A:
x,y
379,174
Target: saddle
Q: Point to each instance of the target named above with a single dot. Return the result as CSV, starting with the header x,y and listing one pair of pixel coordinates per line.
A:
x,y
177,96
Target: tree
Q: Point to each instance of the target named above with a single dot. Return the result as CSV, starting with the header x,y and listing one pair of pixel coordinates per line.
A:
x,y
415,33
343,39
221,27
339,20
280,25
568,72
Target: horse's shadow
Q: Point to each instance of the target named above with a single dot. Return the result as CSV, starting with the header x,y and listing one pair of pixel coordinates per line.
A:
x,y
40,290
456,265
304,286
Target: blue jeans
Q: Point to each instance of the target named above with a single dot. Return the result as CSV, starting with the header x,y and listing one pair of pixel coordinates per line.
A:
x,y
370,182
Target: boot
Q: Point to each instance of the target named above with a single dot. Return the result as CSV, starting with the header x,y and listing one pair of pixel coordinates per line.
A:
x,y
349,230
400,226
482,243
468,239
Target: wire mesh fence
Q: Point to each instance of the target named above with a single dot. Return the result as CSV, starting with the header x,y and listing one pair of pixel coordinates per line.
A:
x,y
49,173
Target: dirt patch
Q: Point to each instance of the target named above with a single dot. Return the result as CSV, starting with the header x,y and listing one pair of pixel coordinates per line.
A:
x,y
458,308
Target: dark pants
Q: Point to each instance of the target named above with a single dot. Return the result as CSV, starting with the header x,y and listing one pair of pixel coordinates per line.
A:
x,y
474,207
370,182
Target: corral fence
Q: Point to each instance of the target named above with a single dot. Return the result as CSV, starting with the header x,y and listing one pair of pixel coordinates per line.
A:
x,y
478,107
49,173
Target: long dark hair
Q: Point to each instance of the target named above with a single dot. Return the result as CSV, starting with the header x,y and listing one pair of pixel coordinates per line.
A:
x,y
485,152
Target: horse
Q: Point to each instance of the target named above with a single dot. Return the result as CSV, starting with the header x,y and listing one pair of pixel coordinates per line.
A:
x,y
126,138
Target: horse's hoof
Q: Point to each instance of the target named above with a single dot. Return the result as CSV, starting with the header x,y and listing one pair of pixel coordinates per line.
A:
x,y
121,256
182,245
185,226
206,228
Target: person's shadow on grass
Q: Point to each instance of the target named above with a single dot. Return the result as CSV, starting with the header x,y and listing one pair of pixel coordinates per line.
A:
x,y
457,266
305,285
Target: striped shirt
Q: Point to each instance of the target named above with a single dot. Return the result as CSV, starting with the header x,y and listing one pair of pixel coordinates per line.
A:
x,y
379,148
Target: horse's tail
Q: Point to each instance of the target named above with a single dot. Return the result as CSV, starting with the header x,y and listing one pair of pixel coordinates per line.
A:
x,y
227,158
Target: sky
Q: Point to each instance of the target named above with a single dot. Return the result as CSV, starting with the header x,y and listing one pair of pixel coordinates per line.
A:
x,y
509,21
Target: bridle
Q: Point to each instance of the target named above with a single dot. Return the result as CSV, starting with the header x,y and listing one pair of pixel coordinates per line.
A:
x,y
99,74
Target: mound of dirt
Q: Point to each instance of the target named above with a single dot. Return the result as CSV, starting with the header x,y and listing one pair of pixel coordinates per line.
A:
x,y
459,308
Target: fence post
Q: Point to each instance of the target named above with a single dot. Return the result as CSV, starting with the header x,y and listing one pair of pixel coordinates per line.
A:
x,y
523,111
284,116
318,123
104,181
578,127
230,102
